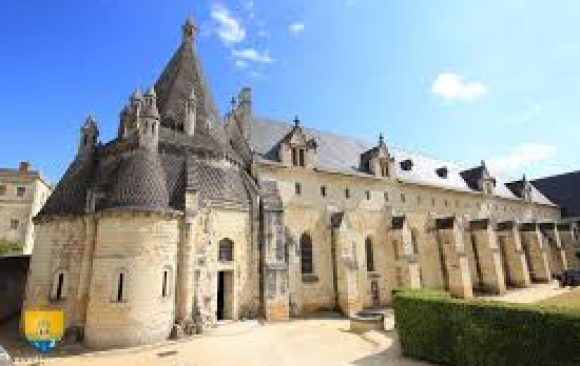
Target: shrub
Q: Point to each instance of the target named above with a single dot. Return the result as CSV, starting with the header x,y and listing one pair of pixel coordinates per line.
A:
x,y
435,327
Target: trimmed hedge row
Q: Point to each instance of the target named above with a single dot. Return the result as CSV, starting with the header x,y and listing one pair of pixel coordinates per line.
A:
x,y
435,327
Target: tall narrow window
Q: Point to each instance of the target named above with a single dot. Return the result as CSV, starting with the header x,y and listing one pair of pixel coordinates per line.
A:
x,y
368,194
414,242
386,196
120,287
369,255
226,250
301,157
323,191
58,291
294,157
403,198
59,286
347,193
307,266
164,291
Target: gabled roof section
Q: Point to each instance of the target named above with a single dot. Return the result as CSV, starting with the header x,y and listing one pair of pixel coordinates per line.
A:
x,y
298,137
342,154
183,74
563,190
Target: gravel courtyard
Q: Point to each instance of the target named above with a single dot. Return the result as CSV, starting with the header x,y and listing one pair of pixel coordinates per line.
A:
x,y
321,340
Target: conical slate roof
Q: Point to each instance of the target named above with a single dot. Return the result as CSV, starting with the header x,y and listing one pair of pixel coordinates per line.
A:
x,y
183,74
139,183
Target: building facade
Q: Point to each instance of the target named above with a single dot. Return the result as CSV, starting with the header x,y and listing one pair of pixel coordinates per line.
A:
x,y
188,215
23,192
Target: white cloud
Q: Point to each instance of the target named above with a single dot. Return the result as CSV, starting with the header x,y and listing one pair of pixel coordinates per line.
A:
x,y
241,64
250,54
522,156
296,28
451,86
229,29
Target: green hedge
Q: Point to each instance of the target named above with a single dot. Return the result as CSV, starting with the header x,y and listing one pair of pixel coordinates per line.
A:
x,y
435,327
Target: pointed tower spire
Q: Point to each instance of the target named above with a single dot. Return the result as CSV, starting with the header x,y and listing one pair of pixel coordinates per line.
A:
x,y
189,29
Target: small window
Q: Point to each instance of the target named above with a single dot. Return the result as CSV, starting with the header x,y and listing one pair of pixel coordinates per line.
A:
x,y
166,282
442,172
298,188
20,191
306,259
432,201
347,193
294,157
2,190
59,289
446,203
120,279
368,195
369,255
386,196
14,224
418,200
153,128
406,164
226,250
403,198
323,191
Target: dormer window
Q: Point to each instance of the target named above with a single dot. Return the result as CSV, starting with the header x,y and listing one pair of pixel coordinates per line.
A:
x,y
442,172
406,164
297,148
298,157
384,169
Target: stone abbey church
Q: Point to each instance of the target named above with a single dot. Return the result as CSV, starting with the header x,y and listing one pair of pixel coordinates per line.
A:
x,y
186,214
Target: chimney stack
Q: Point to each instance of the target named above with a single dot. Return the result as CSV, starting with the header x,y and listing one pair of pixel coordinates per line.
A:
x,y
23,167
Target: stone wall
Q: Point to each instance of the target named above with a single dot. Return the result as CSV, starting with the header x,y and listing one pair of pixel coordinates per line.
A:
x,y
140,246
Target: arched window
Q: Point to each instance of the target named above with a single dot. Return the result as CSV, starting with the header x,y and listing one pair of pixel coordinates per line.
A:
x,y
119,286
369,255
59,286
166,281
306,254
226,250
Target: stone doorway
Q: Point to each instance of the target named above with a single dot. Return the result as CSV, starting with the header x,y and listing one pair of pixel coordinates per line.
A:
x,y
225,290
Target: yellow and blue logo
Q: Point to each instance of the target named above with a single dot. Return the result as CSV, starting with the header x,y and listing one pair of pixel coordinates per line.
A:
x,y
43,328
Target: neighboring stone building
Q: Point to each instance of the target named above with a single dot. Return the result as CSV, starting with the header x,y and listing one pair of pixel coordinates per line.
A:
x,y
23,192
185,212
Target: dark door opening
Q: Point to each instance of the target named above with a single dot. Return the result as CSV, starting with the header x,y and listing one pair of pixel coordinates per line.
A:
x,y
224,295
220,295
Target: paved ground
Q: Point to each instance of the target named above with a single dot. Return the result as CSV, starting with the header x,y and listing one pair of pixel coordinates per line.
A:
x,y
320,341
536,293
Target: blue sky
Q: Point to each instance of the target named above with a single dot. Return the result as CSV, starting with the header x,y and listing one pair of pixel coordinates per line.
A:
x,y
458,80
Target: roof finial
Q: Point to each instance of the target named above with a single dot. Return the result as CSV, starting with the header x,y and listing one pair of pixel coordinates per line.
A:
x,y
296,121
233,103
188,30
483,164
381,139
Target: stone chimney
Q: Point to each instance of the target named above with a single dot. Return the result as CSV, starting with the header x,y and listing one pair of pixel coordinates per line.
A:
x,y
23,167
